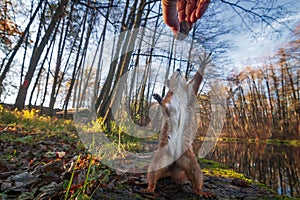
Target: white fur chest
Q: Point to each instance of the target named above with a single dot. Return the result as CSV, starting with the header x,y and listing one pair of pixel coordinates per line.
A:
x,y
176,119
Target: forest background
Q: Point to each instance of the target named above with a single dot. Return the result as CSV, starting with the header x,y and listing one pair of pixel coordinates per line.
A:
x,y
72,53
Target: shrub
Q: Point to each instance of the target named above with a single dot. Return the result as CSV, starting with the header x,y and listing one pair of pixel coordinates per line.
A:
x,y
7,117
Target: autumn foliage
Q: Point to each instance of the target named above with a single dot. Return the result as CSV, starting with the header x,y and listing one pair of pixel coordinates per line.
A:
x,y
263,102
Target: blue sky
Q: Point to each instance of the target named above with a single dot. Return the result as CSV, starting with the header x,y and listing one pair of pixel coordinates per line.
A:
x,y
253,51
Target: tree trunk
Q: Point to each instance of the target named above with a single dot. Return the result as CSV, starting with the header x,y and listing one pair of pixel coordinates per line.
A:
x,y
47,81
104,94
169,66
41,70
99,66
78,66
18,45
272,112
125,60
20,101
61,48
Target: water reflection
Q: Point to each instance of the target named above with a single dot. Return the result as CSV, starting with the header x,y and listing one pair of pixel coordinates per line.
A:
x,y
276,166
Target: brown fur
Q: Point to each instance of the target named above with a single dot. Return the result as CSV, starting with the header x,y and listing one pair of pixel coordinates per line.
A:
x,y
186,167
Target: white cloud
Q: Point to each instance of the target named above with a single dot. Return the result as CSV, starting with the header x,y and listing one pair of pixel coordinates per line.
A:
x,y
252,51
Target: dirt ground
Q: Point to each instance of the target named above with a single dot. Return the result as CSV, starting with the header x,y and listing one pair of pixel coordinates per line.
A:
x,y
37,167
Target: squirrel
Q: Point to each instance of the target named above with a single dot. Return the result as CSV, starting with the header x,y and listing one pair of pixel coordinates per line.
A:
x,y
175,156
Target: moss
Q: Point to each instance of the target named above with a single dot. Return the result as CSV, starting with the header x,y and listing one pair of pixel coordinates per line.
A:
x,y
285,142
294,142
212,168
209,164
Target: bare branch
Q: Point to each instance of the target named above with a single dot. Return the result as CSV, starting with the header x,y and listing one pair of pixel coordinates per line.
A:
x,y
264,17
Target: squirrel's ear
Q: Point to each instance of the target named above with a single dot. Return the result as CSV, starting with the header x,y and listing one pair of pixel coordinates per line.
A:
x,y
167,83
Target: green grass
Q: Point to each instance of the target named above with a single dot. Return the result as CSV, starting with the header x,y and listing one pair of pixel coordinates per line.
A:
x,y
116,134
31,121
292,142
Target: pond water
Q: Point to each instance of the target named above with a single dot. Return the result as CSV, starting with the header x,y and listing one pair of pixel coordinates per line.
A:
x,y
277,166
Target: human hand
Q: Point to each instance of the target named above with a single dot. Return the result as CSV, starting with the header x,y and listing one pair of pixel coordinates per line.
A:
x,y
180,15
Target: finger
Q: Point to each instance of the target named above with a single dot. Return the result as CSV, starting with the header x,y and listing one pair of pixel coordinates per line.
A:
x,y
181,5
170,14
193,17
190,7
202,6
